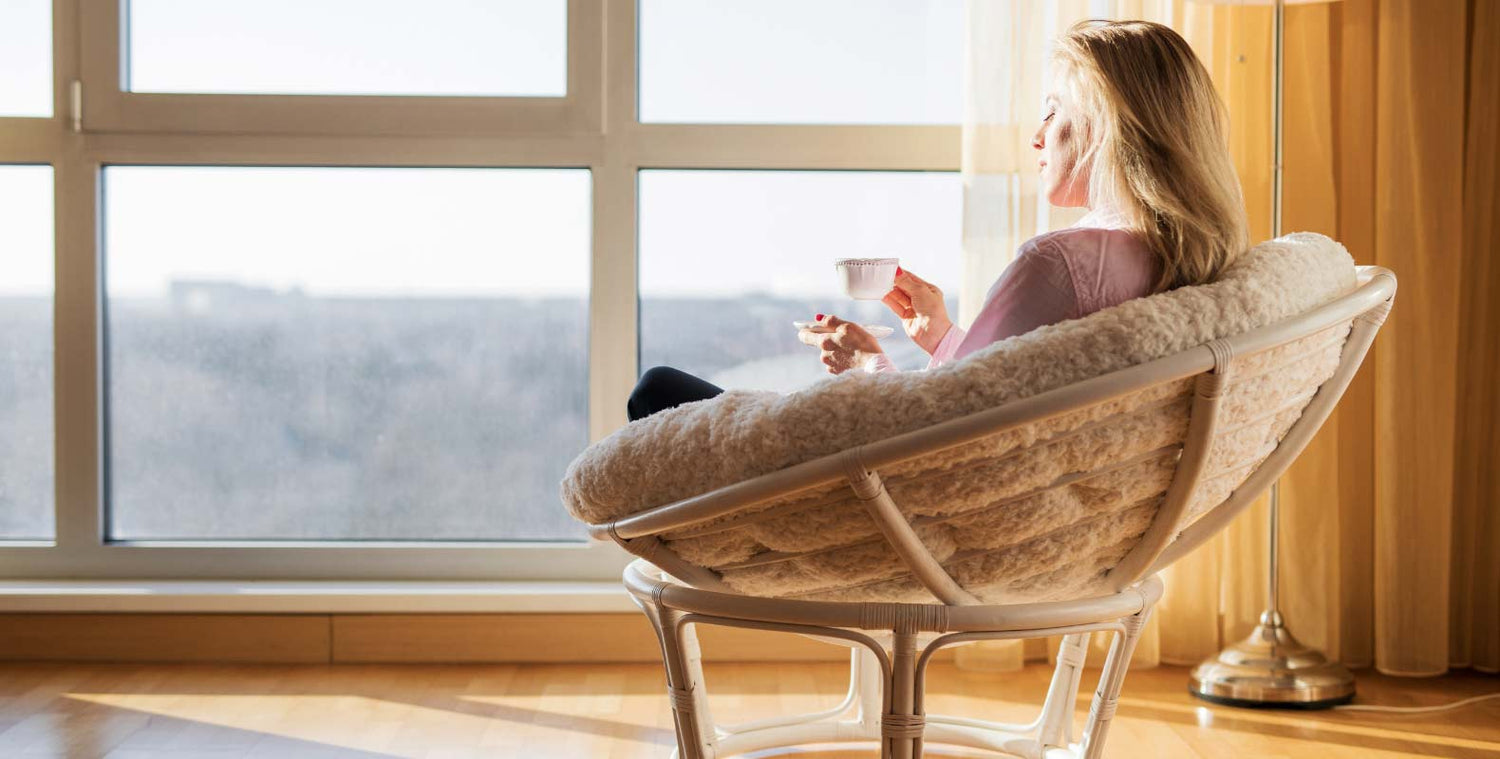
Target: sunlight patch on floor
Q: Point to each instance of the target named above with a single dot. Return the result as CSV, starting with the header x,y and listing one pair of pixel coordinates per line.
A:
x,y
567,723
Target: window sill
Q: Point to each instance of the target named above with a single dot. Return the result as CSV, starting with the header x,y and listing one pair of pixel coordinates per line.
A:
x,y
307,597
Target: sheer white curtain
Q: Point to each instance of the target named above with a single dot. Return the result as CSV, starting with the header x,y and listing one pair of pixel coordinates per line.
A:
x,y
1006,67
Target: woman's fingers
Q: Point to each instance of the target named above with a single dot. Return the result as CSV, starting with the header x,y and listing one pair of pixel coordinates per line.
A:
x,y
826,340
822,339
839,342
899,302
909,282
813,336
823,335
837,363
902,275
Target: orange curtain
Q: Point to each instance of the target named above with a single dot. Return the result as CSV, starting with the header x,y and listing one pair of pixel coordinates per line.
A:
x,y
1391,519
1475,580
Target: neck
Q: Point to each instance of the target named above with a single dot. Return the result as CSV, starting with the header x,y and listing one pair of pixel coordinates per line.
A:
x,y
1102,217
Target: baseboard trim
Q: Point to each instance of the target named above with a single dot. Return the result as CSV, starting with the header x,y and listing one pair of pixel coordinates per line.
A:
x,y
312,597
228,638
376,638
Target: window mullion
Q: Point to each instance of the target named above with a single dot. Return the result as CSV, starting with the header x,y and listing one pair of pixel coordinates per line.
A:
x,y
76,391
612,325
612,322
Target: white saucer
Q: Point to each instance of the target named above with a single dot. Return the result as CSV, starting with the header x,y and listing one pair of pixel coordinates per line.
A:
x,y
877,331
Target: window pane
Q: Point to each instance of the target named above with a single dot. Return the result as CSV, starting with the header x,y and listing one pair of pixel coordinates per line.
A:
x,y
345,353
729,259
26,58
26,352
800,62
349,47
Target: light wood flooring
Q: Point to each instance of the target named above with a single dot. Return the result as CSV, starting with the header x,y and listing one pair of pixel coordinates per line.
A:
x,y
177,711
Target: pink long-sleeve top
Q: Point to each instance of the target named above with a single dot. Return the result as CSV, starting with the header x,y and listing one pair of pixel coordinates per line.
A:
x,y
1067,274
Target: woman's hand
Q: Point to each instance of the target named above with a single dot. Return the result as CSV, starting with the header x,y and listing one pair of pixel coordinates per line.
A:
x,y
919,303
845,345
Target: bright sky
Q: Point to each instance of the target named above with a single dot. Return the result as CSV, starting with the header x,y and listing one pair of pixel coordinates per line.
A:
x,y
500,231
349,231
25,58
778,232
25,229
802,61
368,47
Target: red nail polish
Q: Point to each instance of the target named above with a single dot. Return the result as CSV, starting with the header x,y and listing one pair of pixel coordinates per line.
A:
x,y
818,317
898,271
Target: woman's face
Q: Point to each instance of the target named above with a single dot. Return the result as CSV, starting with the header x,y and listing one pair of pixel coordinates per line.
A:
x,y
1057,141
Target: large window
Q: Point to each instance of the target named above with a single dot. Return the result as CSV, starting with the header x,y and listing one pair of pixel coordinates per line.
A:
x,y
342,298
349,47
352,353
26,352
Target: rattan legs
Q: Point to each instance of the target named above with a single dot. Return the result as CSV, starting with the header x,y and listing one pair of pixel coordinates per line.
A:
x,y
866,670
1055,727
885,699
901,726
885,696
683,660
884,704
1107,695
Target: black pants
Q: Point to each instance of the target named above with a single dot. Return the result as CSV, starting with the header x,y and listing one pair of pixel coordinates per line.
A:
x,y
663,387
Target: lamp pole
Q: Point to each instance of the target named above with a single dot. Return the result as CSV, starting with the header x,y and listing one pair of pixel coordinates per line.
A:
x,y
1270,668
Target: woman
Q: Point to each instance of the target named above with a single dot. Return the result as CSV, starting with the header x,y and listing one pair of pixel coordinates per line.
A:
x,y
1134,131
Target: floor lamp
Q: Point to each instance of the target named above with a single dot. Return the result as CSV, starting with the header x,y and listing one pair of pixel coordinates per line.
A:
x,y
1270,668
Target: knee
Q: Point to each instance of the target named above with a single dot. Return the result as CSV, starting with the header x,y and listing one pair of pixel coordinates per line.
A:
x,y
643,397
655,376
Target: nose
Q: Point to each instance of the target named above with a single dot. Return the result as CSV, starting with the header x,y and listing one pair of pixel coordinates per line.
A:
x,y
1036,139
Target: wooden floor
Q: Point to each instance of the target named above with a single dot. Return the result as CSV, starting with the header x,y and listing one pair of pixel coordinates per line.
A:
x,y
132,711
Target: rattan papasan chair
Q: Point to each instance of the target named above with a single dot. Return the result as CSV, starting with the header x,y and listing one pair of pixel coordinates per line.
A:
x,y
1034,488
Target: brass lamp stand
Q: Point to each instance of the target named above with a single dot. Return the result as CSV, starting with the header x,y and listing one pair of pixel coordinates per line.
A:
x,y
1270,668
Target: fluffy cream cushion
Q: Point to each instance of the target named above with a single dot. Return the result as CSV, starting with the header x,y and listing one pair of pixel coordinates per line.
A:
x,y
1035,513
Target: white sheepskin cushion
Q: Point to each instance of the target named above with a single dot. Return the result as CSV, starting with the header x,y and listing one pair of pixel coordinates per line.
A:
x,y
1002,514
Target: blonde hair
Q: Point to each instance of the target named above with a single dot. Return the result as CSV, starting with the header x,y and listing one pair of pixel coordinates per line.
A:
x,y
1154,131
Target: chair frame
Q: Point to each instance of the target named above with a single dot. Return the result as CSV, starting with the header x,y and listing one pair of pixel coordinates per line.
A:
x,y
886,684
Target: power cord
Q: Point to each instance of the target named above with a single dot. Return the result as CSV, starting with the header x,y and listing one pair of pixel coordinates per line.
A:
x,y
1416,709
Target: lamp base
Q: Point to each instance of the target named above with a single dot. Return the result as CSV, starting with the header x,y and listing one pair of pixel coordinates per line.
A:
x,y
1271,669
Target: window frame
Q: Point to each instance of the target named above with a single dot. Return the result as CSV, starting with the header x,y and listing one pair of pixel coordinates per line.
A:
x,y
596,130
113,109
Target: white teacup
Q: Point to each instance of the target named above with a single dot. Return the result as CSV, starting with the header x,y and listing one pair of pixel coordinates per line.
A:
x,y
867,278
